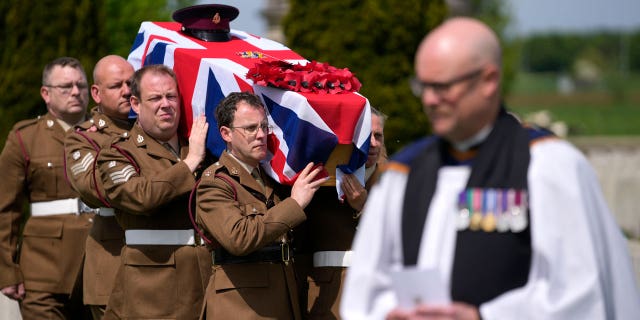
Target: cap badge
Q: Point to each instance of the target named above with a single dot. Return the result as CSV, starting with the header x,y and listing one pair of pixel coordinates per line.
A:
x,y
216,18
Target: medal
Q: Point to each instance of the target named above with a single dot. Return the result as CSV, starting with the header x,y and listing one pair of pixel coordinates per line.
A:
x,y
462,222
518,220
502,221
489,220
476,216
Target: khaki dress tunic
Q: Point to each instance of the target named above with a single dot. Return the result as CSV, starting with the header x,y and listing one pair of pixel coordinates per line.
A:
x,y
149,186
241,223
52,246
331,227
106,238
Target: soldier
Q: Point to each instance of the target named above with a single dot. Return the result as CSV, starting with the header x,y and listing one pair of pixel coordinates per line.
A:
x,y
355,193
54,236
327,236
147,178
110,119
253,276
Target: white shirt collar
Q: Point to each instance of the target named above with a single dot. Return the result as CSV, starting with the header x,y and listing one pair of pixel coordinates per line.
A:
x,y
474,140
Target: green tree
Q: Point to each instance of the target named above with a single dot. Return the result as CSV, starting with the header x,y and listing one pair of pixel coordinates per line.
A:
x,y
377,41
35,32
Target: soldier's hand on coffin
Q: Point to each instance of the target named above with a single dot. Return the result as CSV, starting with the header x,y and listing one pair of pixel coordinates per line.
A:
x,y
355,193
197,140
306,185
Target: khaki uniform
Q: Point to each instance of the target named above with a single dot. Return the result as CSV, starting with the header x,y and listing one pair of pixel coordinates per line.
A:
x,y
54,236
163,271
106,239
328,233
246,221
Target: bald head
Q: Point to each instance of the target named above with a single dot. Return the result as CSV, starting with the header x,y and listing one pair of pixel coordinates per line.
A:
x,y
110,89
109,62
458,69
467,40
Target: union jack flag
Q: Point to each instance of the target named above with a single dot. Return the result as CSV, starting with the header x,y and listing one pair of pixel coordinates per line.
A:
x,y
307,126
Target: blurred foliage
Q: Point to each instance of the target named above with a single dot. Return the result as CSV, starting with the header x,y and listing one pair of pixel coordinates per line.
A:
x,y
557,52
377,40
36,32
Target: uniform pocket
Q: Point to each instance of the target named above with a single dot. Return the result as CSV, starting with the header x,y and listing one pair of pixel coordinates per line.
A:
x,y
150,288
42,251
241,276
44,229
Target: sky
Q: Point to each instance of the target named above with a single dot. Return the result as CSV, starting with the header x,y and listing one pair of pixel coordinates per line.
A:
x,y
530,16
536,16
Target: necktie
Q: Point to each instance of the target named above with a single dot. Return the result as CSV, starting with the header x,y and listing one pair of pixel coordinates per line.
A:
x,y
255,173
170,148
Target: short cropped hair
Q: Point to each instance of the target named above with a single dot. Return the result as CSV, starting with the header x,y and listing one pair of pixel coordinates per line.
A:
x,y
62,62
226,109
154,68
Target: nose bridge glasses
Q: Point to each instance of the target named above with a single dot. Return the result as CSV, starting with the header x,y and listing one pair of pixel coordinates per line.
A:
x,y
418,86
66,88
252,130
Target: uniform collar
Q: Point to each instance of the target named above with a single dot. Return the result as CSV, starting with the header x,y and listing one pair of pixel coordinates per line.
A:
x,y
237,169
142,140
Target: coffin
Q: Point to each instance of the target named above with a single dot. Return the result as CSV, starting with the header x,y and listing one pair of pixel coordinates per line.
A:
x,y
332,129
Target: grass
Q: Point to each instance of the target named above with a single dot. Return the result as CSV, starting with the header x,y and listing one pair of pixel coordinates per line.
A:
x,y
611,108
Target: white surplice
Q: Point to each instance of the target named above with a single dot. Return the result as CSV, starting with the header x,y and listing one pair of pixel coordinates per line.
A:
x,y
580,268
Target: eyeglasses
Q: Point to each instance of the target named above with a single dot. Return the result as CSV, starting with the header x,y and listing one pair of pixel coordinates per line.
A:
x,y
440,88
66,88
252,130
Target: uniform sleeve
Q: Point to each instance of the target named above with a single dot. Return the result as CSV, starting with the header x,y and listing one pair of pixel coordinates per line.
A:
x,y
245,225
581,268
12,166
128,190
80,159
368,293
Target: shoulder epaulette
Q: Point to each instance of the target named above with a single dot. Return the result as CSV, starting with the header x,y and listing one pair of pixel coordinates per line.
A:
x,y
121,137
213,169
25,123
85,125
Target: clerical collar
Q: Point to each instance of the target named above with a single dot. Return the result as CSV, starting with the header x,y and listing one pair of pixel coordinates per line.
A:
x,y
244,165
475,140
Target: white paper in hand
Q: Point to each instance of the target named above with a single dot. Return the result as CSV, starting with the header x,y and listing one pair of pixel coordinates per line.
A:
x,y
417,286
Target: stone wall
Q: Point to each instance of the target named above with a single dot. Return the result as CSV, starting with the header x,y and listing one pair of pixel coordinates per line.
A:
x,y
616,161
